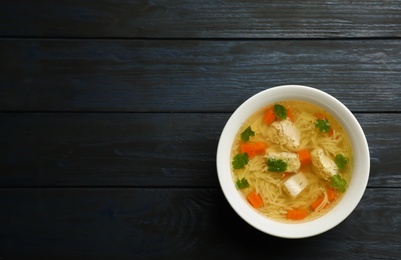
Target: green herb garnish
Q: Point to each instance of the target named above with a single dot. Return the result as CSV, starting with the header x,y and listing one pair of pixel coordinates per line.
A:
x,y
323,125
276,165
240,160
242,184
338,182
341,161
246,134
280,111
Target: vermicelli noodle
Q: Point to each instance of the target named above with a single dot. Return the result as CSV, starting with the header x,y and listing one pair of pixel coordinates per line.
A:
x,y
269,185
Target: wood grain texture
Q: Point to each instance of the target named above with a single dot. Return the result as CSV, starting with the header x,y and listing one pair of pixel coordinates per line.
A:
x,y
111,113
201,19
192,76
177,223
141,149
109,149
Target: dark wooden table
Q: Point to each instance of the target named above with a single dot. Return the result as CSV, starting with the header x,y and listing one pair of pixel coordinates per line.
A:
x,y
111,113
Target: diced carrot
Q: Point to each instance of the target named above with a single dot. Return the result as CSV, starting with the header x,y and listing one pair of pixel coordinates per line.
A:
x,y
331,194
330,132
297,214
304,168
289,114
249,149
269,116
286,174
255,199
304,156
317,203
320,116
259,147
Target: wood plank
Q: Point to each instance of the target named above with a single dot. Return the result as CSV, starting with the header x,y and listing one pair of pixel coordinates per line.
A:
x,y
177,223
192,76
109,149
205,19
141,149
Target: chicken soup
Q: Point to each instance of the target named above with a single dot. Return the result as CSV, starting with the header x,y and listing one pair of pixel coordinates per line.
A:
x,y
292,161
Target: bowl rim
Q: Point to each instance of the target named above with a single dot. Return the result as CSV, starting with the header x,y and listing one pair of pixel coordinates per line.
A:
x,y
359,145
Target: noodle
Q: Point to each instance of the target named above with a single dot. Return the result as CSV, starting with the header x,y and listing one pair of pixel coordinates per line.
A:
x,y
269,185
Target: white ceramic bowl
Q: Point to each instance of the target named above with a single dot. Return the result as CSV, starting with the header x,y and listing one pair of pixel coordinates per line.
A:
x,y
360,174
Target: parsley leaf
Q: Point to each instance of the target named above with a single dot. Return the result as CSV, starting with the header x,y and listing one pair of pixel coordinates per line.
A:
x,y
242,184
338,182
280,111
323,125
240,160
341,161
274,165
246,134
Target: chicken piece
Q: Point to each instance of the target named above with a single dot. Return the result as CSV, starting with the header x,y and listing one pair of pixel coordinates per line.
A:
x,y
286,134
291,159
295,184
322,165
